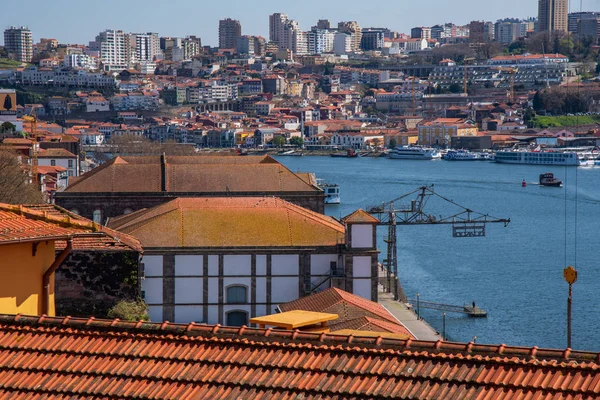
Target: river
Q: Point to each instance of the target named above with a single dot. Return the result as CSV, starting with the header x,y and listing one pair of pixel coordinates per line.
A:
x,y
514,273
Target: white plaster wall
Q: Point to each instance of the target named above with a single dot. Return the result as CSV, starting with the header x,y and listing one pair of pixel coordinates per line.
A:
x,y
213,290
362,236
261,290
237,265
187,314
284,289
261,265
362,288
153,265
189,265
188,290
361,267
153,287
285,264
213,315
155,313
213,265
320,263
261,310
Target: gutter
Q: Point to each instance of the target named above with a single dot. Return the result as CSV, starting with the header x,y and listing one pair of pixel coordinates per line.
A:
x,y
46,279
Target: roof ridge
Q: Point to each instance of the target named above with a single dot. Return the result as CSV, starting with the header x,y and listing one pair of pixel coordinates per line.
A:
x,y
68,221
585,360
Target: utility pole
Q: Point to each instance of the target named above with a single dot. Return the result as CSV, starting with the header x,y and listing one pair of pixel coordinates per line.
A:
x,y
570,275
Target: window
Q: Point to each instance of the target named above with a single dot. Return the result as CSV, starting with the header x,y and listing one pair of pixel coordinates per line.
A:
x,y
53,163
237,294
236,318
70,163
97,216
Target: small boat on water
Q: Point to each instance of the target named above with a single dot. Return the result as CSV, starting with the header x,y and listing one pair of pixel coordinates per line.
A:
x,y
332,191
291,153
350,153
548,179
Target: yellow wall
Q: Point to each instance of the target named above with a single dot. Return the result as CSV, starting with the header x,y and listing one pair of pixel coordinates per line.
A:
x,y
21,277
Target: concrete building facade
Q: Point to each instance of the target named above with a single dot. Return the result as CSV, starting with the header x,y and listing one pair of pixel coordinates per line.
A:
x,y
230,30
18,42
553,15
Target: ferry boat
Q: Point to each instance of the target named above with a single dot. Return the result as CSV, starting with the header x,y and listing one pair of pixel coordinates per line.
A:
x,y
465,155
414,153
548,179
332,191
540,158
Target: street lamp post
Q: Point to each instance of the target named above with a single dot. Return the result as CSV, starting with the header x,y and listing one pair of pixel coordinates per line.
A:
x,y
418,309
570,275
444,326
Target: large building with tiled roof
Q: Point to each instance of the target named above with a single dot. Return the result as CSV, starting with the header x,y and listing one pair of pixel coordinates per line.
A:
x,y
60,358
130,183
228,259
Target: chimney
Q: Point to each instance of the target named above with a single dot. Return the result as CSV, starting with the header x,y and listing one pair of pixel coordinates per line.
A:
x,y
163,172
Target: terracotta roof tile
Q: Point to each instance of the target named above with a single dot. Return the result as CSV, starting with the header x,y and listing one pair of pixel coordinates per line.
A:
x,y
336,301
230,222
359,216
48,222
193,174
75,358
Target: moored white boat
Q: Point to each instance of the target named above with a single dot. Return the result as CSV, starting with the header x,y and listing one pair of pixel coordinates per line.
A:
x,y
465,155
414,153
540,158
332,191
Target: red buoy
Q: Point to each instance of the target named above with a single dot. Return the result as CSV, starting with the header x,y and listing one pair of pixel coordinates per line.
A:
x,y
524,184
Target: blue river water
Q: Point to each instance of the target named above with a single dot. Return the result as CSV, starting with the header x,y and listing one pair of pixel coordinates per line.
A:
x,y
514,273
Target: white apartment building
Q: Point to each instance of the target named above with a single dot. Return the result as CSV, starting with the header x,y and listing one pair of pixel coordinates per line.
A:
x,y
80,61
320,41
342,44
34,76
147,47
114,49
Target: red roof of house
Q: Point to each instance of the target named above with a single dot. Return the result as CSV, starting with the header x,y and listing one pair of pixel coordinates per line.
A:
x,y
60,358
37,222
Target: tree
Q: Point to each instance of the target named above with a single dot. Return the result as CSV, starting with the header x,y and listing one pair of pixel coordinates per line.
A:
x,y
297,141
130,310
14,183
455,88
393,143
598,68
7,127
278,141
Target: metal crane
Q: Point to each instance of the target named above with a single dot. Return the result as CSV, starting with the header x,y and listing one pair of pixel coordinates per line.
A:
x,y
465,223
512,71
465,80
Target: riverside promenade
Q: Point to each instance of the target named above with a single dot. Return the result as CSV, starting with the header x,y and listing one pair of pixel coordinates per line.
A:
x,y
418,327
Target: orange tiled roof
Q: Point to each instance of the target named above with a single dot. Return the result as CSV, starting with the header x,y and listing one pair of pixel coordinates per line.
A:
x,y
106,240
359,216
54,357
230,222
56,153
346,305
371,325
192,174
